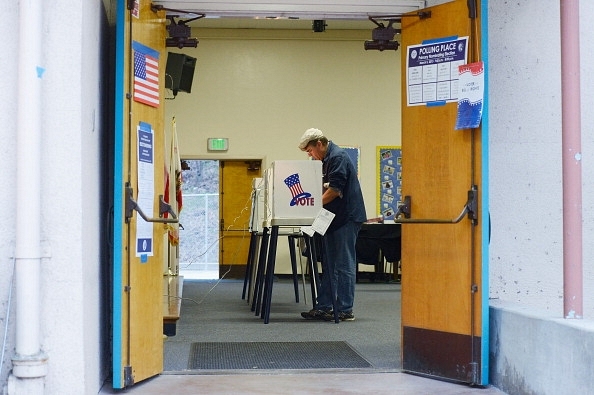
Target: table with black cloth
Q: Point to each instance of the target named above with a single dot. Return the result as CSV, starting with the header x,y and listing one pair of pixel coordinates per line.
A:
x,y
378,243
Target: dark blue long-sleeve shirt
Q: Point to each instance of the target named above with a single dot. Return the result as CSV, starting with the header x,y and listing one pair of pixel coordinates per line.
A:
x,y
341,175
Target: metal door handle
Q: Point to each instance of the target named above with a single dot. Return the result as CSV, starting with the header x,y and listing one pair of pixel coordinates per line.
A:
x,y
470,208
164,207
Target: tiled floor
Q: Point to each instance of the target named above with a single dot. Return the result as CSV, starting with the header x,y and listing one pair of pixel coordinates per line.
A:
x,y
300,383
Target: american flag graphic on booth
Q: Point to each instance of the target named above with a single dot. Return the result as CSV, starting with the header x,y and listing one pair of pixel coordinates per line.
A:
x,y
146,74
294,185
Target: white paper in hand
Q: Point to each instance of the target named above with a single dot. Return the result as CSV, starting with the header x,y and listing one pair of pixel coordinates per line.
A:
x,y
320,224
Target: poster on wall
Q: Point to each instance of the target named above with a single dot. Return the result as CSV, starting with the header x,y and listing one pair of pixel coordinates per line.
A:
x,y
432,70
389,180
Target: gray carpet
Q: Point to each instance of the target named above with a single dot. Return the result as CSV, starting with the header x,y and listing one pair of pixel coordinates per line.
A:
x,y
214,312
274,355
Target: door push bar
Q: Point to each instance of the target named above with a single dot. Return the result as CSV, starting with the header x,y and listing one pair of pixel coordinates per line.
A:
x,y
470,208
164,207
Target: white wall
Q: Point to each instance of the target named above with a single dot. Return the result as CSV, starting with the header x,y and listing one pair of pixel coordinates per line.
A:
x,y
71,223
431,3
587,83
525,154
8,94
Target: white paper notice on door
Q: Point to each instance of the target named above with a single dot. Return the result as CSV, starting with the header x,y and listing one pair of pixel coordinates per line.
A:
x,y
146,190
432,70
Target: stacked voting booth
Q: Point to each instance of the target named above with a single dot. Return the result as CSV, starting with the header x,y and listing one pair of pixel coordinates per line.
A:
x,y
288,196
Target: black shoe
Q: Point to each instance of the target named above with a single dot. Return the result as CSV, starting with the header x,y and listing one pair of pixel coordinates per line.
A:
x,y
346,316
341,316
315,314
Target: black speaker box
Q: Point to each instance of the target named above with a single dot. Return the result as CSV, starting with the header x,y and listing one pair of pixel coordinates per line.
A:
x,y
179,72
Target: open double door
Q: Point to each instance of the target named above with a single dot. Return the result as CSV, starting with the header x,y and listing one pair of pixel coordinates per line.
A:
x,y
444,283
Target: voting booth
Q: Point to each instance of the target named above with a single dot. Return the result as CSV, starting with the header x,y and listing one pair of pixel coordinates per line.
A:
x,y
293,192
292,198
257,212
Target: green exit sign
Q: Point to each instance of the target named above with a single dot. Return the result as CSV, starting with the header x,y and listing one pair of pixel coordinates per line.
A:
x,y
218,144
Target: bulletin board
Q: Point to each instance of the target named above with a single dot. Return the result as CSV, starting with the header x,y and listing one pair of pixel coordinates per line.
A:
x,y
354,154
389,180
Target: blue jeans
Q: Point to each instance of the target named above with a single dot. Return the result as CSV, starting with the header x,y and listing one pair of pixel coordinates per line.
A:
x,y
339,265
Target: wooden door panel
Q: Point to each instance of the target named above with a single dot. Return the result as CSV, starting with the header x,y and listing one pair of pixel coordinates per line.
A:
x,y
137,341
441,263
235,204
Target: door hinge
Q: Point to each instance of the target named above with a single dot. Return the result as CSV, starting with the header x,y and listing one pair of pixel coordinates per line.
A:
x,y
128,376
474,378
472,205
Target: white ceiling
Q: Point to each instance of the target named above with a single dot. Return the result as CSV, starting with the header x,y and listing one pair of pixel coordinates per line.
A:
x,y
287,14
295,24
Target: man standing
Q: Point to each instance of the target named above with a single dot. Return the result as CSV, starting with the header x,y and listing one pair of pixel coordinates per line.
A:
x,y
342,196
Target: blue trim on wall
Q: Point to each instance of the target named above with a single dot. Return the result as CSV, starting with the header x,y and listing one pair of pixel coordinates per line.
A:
x,y
486,219
118,193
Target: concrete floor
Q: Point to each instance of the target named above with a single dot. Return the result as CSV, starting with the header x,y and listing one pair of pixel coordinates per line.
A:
x,y
299,383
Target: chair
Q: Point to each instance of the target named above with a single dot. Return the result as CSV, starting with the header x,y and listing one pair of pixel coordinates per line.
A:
x,y
378,245
369,253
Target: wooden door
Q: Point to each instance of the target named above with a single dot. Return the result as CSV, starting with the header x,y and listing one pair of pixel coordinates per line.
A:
x,y
137,320
235,190
444,307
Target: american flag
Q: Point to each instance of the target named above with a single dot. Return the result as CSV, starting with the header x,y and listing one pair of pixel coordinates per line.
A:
x,y
146,75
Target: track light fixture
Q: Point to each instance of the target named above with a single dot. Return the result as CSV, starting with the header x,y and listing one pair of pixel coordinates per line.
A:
x,y
382,37
179,32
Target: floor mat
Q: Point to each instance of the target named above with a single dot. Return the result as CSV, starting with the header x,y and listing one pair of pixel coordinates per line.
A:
x,y
275,355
